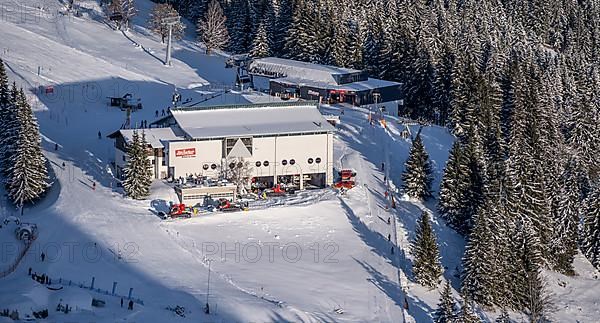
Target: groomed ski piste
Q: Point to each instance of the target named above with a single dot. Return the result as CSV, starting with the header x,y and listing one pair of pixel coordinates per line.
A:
x,y
321,257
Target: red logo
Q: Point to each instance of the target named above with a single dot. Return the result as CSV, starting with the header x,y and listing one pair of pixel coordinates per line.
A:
x,y
187,152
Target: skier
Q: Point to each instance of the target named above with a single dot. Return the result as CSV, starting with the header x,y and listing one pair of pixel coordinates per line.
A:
x,y
163,112
55,146
121,302
94,186
382,167
156,114
392,250
99,135
29,272
63,164
389,221
130,305
389,237
43,256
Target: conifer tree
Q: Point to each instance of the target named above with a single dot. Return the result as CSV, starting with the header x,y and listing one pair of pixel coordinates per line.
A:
x,y
427,267
302,40
6,117
138,171
566,222
591,227
503,317
446,310
212,30
453,188
260,45
11,127
466,313
27,174
417,175
480,278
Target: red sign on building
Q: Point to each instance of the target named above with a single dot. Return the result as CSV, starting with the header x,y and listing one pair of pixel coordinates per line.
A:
x,y
186,152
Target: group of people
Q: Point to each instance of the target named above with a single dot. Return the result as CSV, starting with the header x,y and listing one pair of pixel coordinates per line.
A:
x,y
42,279
129,305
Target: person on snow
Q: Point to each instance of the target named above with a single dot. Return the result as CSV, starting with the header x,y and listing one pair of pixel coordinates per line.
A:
x,y
163,112
43,256
99,135
121,301
55,146
156,114
94,186
130,307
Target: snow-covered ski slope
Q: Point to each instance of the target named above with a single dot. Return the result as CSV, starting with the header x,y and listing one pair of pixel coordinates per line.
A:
x,y
325,258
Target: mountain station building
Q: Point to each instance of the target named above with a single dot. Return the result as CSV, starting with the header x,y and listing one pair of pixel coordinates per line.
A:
x,y
282,142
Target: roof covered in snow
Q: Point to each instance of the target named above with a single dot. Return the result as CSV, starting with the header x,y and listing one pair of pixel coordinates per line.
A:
x,y
251,120
154,136
280,67
369,84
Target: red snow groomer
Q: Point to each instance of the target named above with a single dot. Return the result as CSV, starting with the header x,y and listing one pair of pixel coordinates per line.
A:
x,y
180,211
346,179
226,206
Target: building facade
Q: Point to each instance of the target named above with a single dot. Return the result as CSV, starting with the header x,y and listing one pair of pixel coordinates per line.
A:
x,y
330,84
273,143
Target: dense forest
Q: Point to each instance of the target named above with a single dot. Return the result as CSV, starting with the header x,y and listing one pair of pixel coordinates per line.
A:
x,y
517,82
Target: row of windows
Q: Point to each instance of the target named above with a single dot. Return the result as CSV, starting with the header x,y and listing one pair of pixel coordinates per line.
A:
x,y
291,162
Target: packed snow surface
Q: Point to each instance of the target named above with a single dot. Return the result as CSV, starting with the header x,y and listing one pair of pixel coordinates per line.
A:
x,y
321,257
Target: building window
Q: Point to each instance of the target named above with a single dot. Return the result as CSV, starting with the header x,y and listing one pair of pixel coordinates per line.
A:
x,y
284,162
205,167
230,142
318,160
257,164
292,161
153,161
310,160
240,165
232,165
266,163
164,162
213,166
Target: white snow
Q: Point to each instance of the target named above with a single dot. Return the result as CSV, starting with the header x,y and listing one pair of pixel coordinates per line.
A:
x,y
98,234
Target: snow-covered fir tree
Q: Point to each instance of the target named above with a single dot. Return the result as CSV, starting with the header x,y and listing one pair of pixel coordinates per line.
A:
x,y
138,171
212,30
480,277
446,309
417,176
260,45
503,317
302,40
160,11
467,313
590,242
427,267
27,174
10,130
6,114
565,235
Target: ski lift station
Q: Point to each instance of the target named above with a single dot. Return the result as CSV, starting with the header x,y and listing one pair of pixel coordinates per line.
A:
x,y
278,142
294,79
